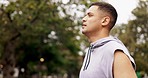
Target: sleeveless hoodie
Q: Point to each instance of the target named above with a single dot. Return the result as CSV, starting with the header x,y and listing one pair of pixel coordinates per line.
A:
x,y
98,61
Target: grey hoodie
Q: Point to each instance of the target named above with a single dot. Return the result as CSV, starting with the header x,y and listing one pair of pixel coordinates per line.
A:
x,y
99,58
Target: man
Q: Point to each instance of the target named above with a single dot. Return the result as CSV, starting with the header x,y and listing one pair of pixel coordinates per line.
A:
x,y
107,57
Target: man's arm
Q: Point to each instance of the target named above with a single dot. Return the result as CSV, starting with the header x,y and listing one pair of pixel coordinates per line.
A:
x,y
122,66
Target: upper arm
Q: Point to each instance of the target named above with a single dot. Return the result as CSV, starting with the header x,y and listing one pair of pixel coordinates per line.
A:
x,y
122,66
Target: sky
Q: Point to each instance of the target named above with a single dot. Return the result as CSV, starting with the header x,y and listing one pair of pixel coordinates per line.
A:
x,y
124,9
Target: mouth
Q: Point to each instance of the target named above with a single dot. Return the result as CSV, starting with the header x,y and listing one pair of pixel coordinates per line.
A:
x,y
83,25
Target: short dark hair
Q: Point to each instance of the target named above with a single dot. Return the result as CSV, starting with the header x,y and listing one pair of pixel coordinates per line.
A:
x,y
106,7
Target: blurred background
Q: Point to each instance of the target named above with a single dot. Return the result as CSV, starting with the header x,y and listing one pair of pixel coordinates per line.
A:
x,y
43,39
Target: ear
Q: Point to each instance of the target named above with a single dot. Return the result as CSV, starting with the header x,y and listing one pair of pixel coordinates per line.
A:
x,y
105,21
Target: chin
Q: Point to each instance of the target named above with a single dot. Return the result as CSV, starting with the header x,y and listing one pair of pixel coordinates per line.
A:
x,y
84,32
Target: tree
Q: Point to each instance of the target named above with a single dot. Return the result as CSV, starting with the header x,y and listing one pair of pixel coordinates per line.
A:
x,y
41,37
31,30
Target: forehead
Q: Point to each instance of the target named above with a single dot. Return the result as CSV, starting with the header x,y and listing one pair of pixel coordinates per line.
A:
x,y
93,9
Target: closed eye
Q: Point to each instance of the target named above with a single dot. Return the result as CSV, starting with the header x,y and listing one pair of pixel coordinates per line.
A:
x,y
89,14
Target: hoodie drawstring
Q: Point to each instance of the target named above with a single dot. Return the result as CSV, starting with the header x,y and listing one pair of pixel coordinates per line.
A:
x,y
88,58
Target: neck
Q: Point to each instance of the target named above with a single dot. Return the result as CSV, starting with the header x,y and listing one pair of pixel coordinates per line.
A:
x,y
96,36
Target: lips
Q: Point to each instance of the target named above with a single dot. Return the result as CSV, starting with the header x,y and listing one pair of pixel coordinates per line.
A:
x,y
83,24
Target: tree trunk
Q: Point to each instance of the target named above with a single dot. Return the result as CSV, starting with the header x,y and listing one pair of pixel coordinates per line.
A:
x,y
8,60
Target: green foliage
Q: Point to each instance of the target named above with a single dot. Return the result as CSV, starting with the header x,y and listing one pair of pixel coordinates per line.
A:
x,y
33,29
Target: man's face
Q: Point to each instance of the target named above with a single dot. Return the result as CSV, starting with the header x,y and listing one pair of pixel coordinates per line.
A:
x,y
92,21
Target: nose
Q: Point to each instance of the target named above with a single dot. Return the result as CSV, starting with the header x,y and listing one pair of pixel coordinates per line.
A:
x,y
84,19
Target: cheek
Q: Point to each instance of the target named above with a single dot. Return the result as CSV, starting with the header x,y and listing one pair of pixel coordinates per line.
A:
x,y
94,22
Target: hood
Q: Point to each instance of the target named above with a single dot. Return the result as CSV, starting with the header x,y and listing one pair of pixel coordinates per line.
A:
x,y
103,41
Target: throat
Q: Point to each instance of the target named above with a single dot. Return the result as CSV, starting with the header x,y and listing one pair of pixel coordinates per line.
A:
x,y
94,38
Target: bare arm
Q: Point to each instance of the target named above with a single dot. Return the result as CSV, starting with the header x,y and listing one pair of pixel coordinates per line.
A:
x,y
122,66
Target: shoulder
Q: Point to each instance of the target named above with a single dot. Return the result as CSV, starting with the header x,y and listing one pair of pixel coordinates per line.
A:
x,y
122,66
120,47
112,46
